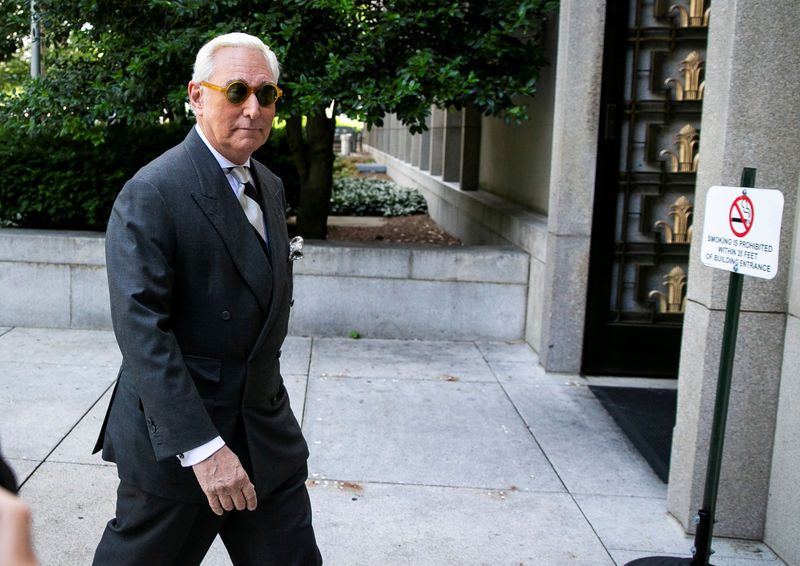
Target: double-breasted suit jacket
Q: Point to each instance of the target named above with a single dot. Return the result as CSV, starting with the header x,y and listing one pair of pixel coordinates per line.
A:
x,y
200,313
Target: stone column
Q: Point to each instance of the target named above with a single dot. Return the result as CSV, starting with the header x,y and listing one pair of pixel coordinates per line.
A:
x,y
470,149
425,148
560,320
387,133
451,166
414,156
780,530
749,120
437,141
394,136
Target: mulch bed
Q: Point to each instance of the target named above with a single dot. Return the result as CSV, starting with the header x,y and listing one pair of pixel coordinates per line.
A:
x,y
418,229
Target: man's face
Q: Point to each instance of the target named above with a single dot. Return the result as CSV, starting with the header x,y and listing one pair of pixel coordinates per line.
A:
x,y
235,131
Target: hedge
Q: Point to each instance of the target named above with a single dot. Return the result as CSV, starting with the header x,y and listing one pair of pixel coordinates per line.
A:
x,y
61,183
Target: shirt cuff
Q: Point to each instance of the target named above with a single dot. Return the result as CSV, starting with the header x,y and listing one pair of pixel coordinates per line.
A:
x,y
196,455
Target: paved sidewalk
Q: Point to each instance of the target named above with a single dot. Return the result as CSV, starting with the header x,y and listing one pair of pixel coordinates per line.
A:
x,y
422,453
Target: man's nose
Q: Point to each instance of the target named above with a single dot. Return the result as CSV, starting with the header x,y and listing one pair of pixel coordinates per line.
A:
x,y
252,109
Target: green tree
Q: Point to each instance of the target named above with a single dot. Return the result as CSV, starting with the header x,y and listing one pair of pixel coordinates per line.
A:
x,y
129,61
14,26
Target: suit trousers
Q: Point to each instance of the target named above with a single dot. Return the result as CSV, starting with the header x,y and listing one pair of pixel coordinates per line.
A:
x,y
160,532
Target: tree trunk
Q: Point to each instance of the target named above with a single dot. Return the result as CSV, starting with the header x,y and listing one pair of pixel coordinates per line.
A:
x,y
316,175
297,147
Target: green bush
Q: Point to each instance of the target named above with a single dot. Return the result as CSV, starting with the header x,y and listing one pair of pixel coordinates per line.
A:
x,y
51,182
366,196
56,182
61,183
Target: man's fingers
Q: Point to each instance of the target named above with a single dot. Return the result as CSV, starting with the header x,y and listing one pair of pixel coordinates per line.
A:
x,y
244,498
250,496
213,502
228,503
239,501
225,483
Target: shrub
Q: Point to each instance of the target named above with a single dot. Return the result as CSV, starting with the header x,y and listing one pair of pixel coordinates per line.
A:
x,y
367,196
61,183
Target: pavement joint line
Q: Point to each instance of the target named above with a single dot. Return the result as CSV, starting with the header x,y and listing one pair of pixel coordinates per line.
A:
x,y
443,378
58,363
307,377
633,382
101,464
506,489
77,422
529,428
569,493
619,495
591,526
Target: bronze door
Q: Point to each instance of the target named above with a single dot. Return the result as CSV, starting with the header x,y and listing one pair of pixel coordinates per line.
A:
x,y
647,157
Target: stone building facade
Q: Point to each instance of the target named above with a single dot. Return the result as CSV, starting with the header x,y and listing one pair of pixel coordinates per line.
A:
x,y
541,187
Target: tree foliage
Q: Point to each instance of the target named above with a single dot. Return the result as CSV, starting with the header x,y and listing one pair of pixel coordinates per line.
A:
x,y
14,26
128,61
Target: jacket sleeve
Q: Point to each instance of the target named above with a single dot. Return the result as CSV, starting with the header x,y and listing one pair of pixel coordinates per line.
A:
x,y
140,260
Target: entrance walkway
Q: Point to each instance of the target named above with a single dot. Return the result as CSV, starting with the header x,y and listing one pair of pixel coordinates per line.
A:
x,y
422,453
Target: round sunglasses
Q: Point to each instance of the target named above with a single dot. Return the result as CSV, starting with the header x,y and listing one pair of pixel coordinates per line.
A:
x,y
238,91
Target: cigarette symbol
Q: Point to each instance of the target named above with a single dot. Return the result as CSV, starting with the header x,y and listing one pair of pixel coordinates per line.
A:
x,y
741,216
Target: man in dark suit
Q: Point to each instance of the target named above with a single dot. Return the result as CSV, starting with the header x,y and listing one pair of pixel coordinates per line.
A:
x,y
200,281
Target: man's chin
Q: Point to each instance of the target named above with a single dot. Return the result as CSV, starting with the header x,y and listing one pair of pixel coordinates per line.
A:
x,y
244,148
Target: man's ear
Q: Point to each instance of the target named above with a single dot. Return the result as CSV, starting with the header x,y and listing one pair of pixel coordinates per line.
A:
x,y
196,98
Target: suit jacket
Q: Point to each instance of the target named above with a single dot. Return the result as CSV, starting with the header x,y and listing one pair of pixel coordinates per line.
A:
x,y
200,314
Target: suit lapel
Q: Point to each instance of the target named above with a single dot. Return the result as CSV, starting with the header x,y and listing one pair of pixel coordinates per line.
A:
x,y
217,201
274,218
276,237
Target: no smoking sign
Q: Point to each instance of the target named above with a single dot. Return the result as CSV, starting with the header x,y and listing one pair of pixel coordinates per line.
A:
x,y
742,230
741,216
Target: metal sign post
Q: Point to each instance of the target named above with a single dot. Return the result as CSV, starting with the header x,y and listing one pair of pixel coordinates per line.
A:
x,y
36,48
742,217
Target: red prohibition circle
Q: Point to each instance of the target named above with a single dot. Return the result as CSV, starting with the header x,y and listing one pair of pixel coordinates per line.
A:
x,y
741,215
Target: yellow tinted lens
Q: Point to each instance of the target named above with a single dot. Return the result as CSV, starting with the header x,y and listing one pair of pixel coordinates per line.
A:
x,y
236,92
266,95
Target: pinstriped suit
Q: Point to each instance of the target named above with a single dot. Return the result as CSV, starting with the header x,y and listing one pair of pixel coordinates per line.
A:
x,y
200,314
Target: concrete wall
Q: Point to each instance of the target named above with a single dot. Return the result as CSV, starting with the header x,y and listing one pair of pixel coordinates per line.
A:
x,y
57,280
750,119
53,279
782,529
481,218
411,291
515,159
553,170
576,126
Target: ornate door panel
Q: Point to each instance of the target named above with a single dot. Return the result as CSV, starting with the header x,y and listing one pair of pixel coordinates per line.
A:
x,y
644,193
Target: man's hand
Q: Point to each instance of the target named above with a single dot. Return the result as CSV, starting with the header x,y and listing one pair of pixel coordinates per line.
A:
x,y
225,482
15,531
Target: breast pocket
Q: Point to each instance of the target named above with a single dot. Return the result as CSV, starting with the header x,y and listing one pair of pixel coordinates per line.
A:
x,y
206,374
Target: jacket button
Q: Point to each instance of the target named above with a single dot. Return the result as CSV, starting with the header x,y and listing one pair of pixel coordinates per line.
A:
x,y
226,315
279,353
291,303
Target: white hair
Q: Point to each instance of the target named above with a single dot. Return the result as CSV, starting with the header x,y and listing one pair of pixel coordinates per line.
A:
x,y
204,62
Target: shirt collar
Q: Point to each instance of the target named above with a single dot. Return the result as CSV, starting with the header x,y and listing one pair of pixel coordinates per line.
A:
x,y
223,161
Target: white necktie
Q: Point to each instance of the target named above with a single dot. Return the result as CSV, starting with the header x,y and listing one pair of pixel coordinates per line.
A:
x,y
249,204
